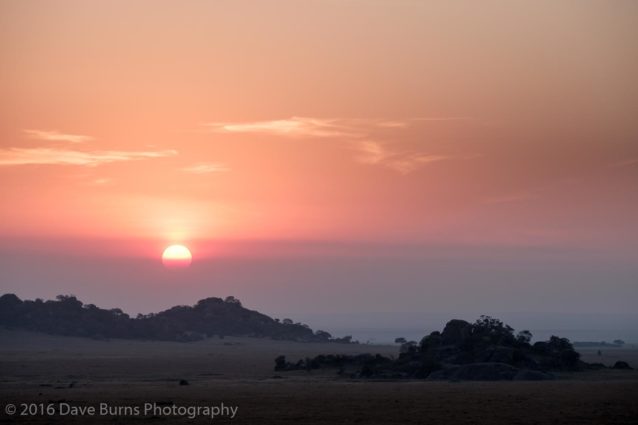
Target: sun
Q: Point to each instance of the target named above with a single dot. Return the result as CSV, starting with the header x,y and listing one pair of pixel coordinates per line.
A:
x,y
177,256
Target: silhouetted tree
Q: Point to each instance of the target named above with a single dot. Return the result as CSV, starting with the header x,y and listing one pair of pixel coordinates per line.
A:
x,y
323,335
232,300
524,337
488,330
408,347
280,363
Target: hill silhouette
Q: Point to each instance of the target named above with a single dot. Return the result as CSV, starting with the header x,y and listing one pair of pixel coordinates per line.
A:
x,y
208,317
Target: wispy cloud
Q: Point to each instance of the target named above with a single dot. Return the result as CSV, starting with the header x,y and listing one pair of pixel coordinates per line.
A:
x,y
56,136
360,133
50,156
102,181
319,127
443,119
213,167
376,153
294,127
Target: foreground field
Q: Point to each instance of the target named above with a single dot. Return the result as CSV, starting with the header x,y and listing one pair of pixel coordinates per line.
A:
x,y
77,373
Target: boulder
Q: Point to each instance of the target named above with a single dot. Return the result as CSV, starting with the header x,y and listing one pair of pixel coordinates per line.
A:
x,y
456,331
622,365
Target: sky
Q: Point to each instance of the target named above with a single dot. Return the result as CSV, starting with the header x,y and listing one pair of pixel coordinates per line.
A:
x,y
322,157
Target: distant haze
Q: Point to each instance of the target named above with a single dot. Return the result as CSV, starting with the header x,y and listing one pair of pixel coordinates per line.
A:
x,y
357,288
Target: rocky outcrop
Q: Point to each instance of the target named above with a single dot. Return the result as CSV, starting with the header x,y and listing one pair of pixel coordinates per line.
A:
x,y
486,350
455,332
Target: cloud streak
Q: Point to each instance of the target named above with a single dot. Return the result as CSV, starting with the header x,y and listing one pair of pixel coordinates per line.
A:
x,y
319,127
207,168
291,127
56,136
359,133
50,156
376,153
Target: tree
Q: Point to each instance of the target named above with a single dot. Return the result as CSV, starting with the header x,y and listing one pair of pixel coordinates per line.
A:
x,y
65,297
400,340
561,351
232,300
619,342
118,312
524,337
490,330
323,334
408,347
69,301
280,363
287,321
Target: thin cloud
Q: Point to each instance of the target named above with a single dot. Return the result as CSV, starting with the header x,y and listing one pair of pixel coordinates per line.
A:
x,y
443,119
214,167
292,127
391,124
370,152
56,136
376,153
319,127
102,182
49,156
357,131
408,162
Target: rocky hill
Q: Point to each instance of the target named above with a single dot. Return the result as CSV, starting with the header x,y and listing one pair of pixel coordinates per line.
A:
x,y
209,317
484,350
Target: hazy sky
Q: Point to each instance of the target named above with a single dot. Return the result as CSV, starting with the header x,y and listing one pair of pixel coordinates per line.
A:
x,y
335,155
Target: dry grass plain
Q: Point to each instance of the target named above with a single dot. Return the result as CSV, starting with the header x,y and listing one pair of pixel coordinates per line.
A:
x,y
45,369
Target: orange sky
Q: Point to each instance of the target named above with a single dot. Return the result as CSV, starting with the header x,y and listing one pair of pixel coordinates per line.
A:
x,y
455,122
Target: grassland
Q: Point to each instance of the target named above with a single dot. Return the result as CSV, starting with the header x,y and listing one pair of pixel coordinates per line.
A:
x,y
45,370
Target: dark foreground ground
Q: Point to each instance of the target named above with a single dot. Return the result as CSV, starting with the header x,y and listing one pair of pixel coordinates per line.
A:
x,y
71,373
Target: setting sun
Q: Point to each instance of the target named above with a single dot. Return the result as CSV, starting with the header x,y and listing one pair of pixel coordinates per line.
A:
x,y
177,256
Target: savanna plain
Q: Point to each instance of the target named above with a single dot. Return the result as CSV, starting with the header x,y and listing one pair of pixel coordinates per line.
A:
x,y
238,372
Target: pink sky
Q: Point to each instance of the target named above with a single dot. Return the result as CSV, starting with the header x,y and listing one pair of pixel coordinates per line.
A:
x,y
252,130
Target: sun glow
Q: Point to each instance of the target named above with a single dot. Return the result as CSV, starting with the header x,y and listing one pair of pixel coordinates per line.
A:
x,y
177,256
